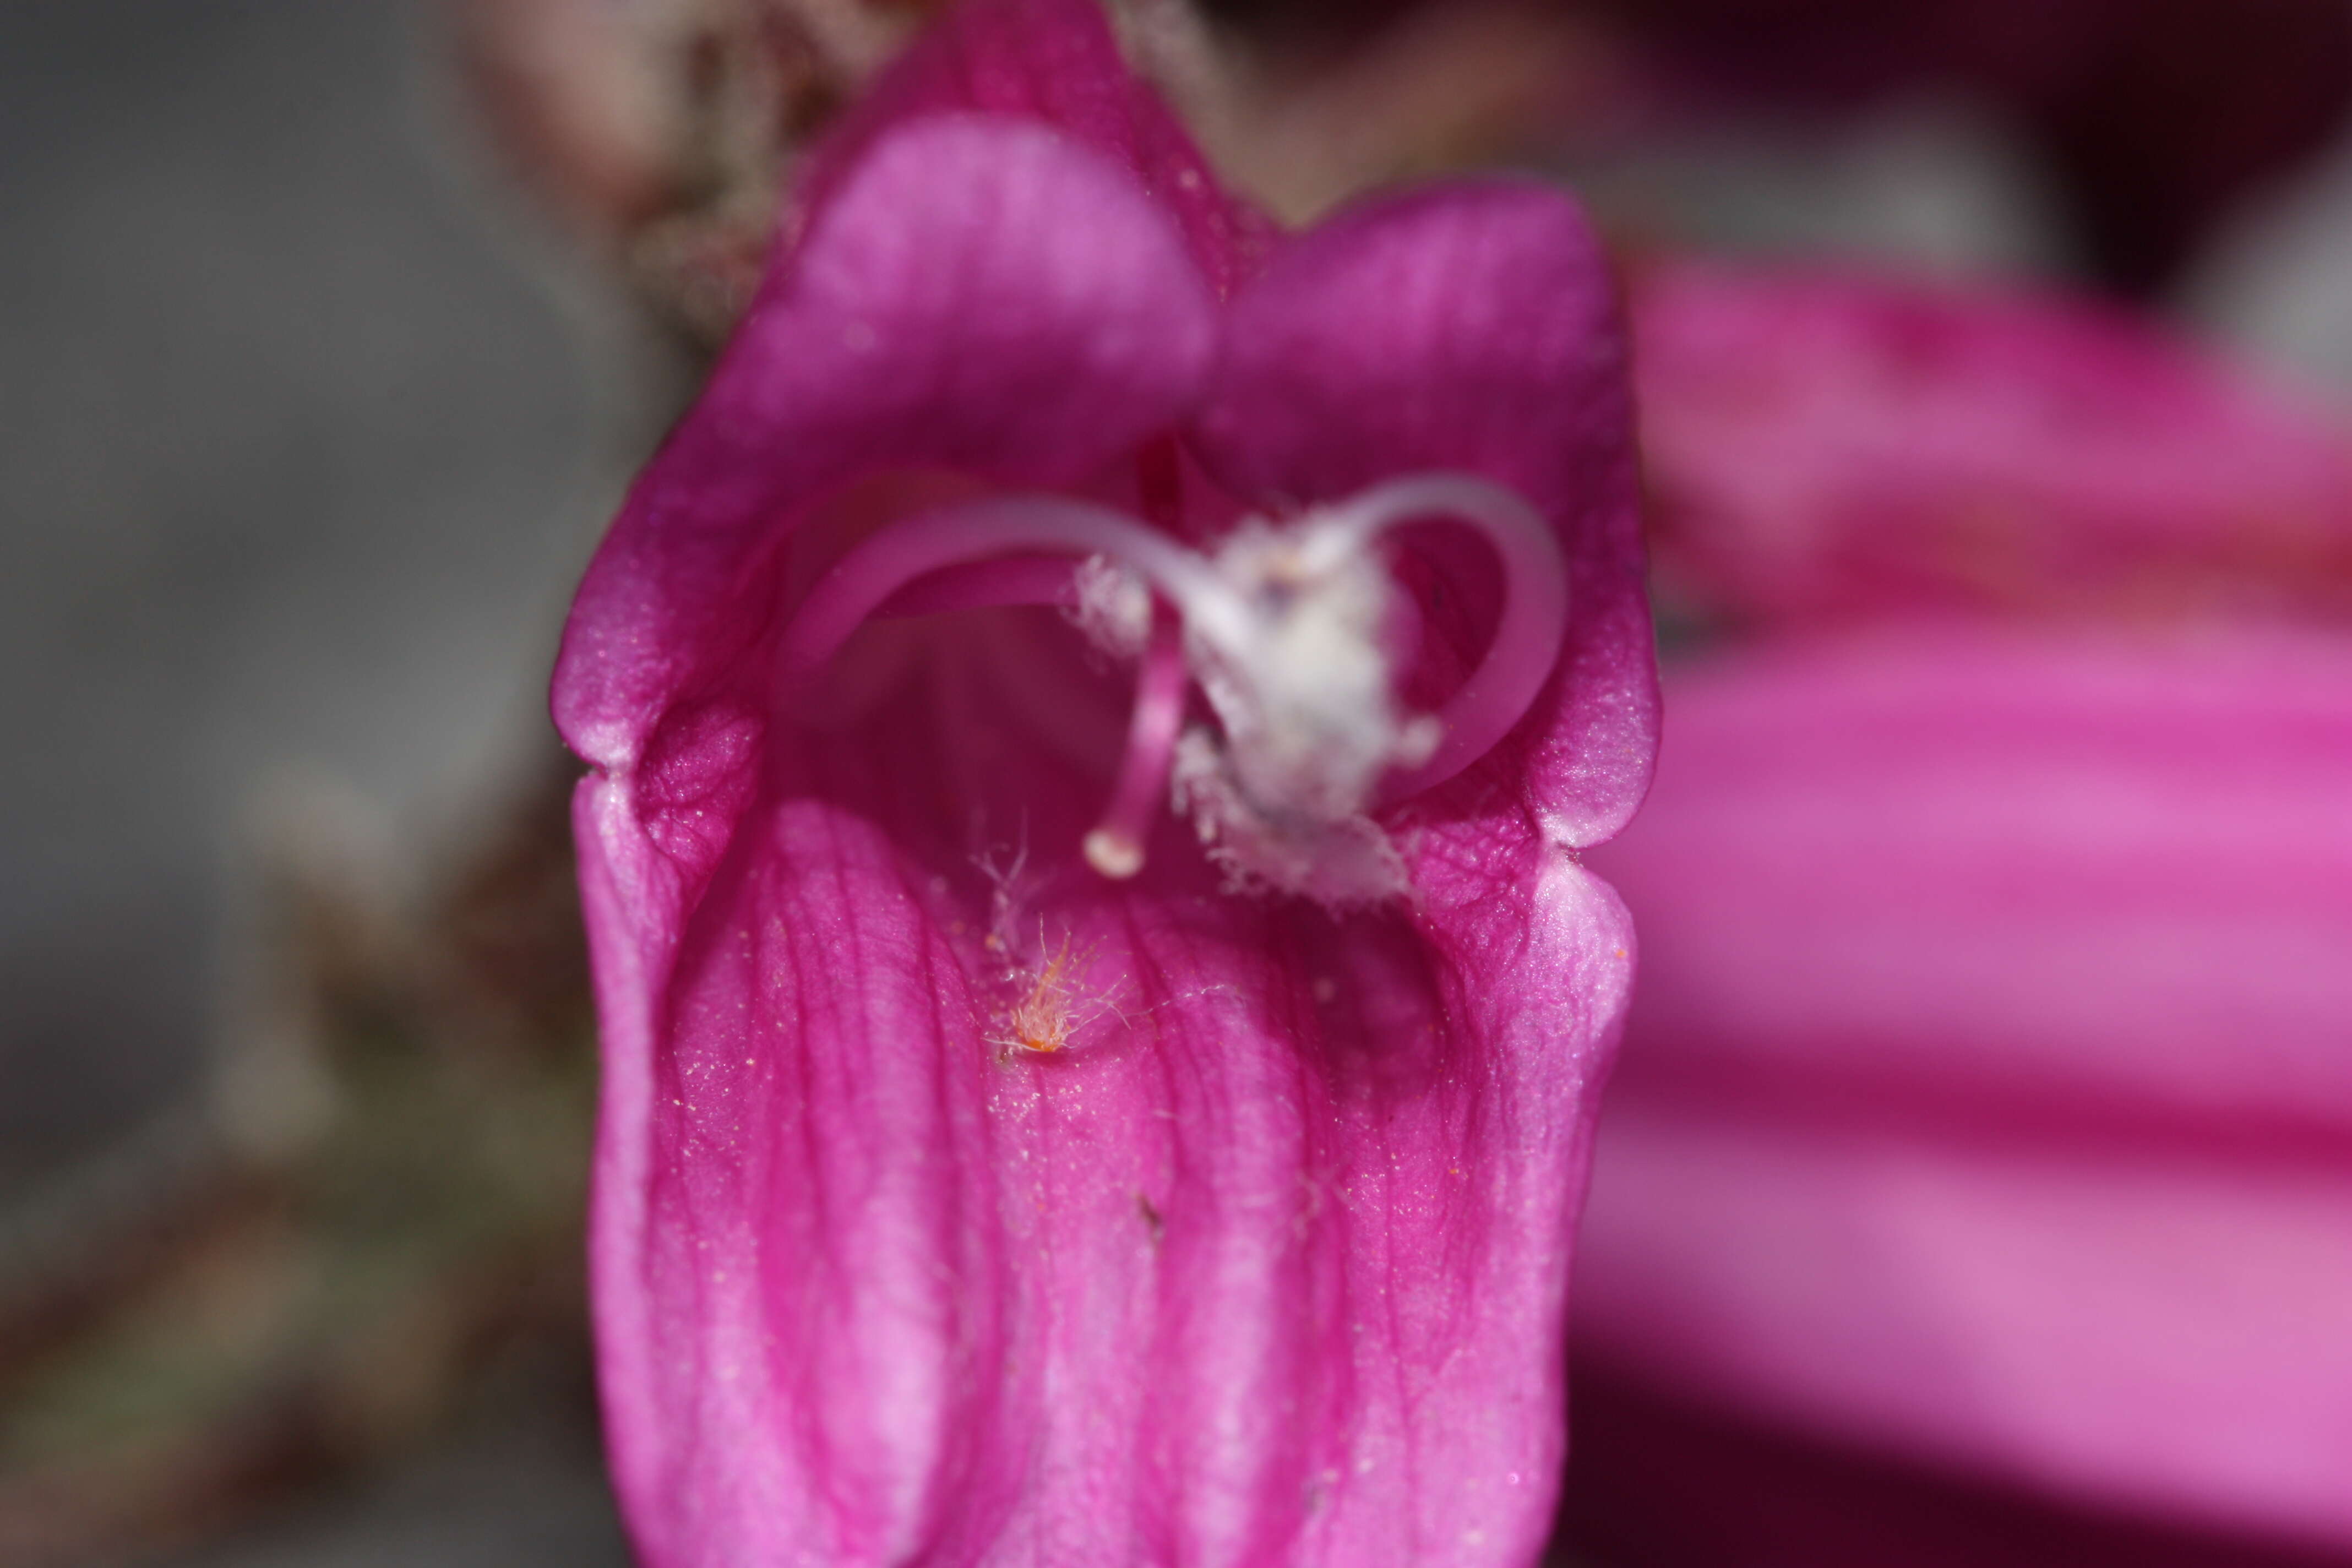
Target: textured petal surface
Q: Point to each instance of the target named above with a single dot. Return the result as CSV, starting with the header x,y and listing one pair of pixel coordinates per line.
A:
x,y
1268,1271
1838,444
1472,328
1991,1092
1068,327
1055,62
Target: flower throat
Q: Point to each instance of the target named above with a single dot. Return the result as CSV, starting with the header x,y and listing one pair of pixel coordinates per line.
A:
x,y
1286,627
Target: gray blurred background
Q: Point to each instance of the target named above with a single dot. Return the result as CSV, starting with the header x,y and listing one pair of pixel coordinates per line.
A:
x,y
294,476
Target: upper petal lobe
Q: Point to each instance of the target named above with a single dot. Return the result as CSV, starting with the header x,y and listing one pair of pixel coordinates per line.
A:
x,y
1470,328
979,295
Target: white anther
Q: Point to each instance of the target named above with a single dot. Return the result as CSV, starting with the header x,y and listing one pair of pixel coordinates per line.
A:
x,y
1284,630
1341,863
1305,700
1113,854
1113,608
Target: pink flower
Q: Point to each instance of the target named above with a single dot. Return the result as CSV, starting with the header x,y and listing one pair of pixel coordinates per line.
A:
x,y
990,1174
1989,1097
1827,445
1987,1105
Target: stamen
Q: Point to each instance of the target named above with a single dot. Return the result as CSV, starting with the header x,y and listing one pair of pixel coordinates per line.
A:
x,y
862,579
983,585
1527,640
1115,848
1281,629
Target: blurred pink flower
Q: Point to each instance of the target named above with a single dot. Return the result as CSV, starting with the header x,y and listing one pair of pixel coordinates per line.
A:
x,y
1989,1094
1987,1103
965,1198
1837,445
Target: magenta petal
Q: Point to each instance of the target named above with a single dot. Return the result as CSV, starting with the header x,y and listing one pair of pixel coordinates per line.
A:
x,y
1839,444
1069,325
2140,1326
2065,869
1470,328
1988,1096
1275,1280
1055,62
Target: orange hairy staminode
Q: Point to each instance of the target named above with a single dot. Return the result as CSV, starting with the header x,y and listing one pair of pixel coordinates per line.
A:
x,y
1051,1010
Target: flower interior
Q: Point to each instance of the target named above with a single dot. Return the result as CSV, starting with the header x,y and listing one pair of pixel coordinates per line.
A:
x,y
1270,665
